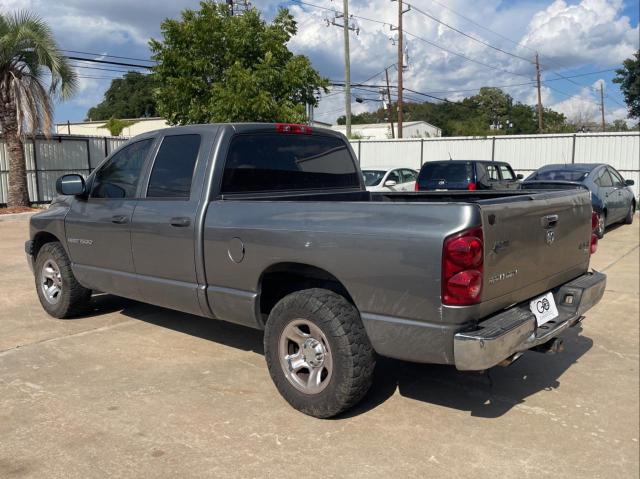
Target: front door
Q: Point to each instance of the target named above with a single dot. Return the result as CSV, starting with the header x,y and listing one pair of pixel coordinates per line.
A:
x,y
98,227
163,227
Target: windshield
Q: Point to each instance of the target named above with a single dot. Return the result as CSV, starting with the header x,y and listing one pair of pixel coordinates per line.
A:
x,y
559,175
372,177
451,172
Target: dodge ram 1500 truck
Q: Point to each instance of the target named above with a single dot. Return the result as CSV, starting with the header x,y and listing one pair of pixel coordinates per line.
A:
x,y
270,226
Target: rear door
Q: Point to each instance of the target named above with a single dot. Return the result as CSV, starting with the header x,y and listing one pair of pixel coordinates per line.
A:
x,y
490,179
163,226
623,195
534,242
98,228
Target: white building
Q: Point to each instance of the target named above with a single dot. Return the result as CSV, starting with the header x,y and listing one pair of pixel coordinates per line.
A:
x,y
382,131
141,125
97,128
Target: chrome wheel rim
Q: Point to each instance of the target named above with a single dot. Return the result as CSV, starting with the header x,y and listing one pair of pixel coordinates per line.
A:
x,y
305,356
51,281
600,224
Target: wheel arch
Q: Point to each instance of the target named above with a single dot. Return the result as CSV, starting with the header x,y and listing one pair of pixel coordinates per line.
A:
x,y
281,279
41,238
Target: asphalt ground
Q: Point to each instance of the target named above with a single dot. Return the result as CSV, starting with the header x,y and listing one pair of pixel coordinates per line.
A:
x,y
133,390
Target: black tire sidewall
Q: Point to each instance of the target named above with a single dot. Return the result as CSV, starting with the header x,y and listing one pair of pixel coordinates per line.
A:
x,y
332,399
55,252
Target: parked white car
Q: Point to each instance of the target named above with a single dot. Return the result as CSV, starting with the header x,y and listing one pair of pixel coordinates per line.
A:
x,y
390,179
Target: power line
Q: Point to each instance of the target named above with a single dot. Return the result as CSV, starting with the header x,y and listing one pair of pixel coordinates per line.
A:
x,y
471,37
108,62
108,56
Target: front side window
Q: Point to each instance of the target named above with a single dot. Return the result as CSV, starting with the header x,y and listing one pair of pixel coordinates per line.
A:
x,y
394,176
408,175
173,167
615,176
264,162
119,176
506,173
604,179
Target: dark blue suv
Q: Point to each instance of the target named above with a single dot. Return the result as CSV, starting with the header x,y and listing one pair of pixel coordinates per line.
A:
x,y
467,175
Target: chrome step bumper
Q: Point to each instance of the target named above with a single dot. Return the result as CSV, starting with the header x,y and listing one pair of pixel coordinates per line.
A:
x,y
514,330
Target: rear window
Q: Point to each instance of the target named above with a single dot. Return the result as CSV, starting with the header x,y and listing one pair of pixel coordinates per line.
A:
x,y
266,162
452,172
559,175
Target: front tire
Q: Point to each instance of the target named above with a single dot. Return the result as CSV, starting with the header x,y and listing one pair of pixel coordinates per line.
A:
x,y
59,292
318,353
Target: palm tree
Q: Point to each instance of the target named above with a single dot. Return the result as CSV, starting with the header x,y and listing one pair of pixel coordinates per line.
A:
x,y
32,72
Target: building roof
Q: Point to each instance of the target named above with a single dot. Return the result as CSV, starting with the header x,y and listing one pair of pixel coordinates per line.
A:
x,y
366,126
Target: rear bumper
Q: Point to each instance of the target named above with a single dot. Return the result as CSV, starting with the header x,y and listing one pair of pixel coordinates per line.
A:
x,y
515,330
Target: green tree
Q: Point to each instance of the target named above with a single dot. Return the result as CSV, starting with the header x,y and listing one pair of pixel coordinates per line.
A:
x,y
629,79
128,97
32,71
115,125
214,67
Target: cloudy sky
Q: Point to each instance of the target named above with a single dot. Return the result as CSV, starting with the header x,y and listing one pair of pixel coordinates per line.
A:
x,y
581,39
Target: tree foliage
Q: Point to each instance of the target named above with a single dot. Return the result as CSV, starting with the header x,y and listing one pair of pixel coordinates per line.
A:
x,y
629,79
214,67
473,116
115,125
128,97
33,70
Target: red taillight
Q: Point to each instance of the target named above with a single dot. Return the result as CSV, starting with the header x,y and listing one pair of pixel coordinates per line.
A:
x,y
462,267
594,220
593,247
293,129
416,187
472,186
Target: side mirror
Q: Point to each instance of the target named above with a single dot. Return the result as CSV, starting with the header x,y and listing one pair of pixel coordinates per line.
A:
x,y
519,176
390,183
71,185
629,182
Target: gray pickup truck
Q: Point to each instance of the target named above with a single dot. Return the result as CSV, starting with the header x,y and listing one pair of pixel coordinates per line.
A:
x,y
270,226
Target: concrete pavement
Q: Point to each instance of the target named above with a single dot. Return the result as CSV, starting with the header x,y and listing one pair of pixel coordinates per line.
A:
x,y
138,391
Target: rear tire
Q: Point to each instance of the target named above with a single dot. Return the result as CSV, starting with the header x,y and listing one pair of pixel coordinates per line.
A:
x,y
629,218
602,219
59,292
318,353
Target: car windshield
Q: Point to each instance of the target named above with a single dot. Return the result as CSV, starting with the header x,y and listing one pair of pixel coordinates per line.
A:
x,y
559,175
451,172
372,177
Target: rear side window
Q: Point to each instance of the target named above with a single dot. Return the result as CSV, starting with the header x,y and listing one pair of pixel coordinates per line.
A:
x,y
492,172
266,162
119,176
408,175
452,172
173,167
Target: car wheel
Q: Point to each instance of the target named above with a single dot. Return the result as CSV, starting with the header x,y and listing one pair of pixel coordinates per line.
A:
x,y
629,218
59,292
318,353
602,217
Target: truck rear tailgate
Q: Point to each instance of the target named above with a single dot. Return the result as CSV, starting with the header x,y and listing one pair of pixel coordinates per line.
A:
x,y
538,239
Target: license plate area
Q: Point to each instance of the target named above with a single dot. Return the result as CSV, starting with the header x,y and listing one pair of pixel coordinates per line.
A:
x,y
544,308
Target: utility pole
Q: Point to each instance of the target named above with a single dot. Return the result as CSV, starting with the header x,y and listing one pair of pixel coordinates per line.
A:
x,y
400,63
389,109
540,119
602,104
347,61
347,69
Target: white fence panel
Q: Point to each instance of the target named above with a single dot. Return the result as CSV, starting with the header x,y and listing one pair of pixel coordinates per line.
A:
x,y
527,154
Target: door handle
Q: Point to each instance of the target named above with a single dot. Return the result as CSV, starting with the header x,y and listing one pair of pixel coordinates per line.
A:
x,y
120,219
549,221
180,222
